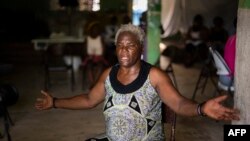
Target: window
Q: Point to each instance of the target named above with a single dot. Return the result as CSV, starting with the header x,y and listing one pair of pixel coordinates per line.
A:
x,y
96,5
139,6
81,5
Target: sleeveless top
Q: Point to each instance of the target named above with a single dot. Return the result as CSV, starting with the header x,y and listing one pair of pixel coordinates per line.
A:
x,y
94,46
132,112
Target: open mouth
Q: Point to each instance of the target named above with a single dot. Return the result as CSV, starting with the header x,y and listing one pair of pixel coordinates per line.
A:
x,y
124,58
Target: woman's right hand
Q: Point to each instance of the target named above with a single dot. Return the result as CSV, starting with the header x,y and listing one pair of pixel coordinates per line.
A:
x,y
45,102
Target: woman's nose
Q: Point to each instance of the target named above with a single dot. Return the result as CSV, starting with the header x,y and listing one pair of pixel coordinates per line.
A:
x,y
124,48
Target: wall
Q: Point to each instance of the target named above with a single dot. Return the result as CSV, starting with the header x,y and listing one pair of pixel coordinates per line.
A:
x,y
22,16
34,18
242,65
24,20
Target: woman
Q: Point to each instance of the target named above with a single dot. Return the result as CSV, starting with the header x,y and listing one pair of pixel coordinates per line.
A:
x,y
133,92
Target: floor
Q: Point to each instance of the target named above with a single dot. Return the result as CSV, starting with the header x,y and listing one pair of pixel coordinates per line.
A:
x,y
73,125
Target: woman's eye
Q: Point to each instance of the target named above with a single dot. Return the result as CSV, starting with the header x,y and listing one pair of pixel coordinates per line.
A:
x,y
131,45
126,46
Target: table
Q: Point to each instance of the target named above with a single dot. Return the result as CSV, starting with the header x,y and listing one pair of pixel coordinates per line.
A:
x,y
43,43
72,62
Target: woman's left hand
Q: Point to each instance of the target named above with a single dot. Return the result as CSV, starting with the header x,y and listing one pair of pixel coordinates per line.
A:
x,y
214,109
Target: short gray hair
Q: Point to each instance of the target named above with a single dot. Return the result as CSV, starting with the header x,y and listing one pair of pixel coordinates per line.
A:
x,y
136,30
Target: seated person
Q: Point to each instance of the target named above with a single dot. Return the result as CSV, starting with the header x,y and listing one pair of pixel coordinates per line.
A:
x,y
229,57
195,44
218,34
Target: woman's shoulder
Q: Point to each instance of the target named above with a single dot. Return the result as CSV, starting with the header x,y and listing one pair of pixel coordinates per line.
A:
x,y
156,75
106,73
156,71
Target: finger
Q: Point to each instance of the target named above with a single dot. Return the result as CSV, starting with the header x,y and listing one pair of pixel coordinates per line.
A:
x,y
237,111
40,102
231,111
225,117
236,117
233,115
221,98
230,117
43,92
220,117
230,114
39,106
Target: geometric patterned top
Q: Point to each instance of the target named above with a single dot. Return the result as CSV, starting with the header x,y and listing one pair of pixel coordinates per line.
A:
x,y
132,112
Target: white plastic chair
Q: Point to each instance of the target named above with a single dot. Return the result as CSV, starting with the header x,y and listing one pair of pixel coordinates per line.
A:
x,y
222,69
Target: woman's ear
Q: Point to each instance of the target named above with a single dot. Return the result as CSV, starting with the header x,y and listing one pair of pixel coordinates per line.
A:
x,y
142,49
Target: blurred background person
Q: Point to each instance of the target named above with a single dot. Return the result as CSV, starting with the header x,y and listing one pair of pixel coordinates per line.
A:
x,y
195,42
229,57
110,31
94,59
218,34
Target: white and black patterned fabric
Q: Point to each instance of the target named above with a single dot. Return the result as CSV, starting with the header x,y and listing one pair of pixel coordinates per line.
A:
x,y
132,112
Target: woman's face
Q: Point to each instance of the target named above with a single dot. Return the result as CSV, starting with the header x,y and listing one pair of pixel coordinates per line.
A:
x,y
128,49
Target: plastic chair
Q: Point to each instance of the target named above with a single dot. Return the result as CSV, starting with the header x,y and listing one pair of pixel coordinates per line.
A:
x,y
222,69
